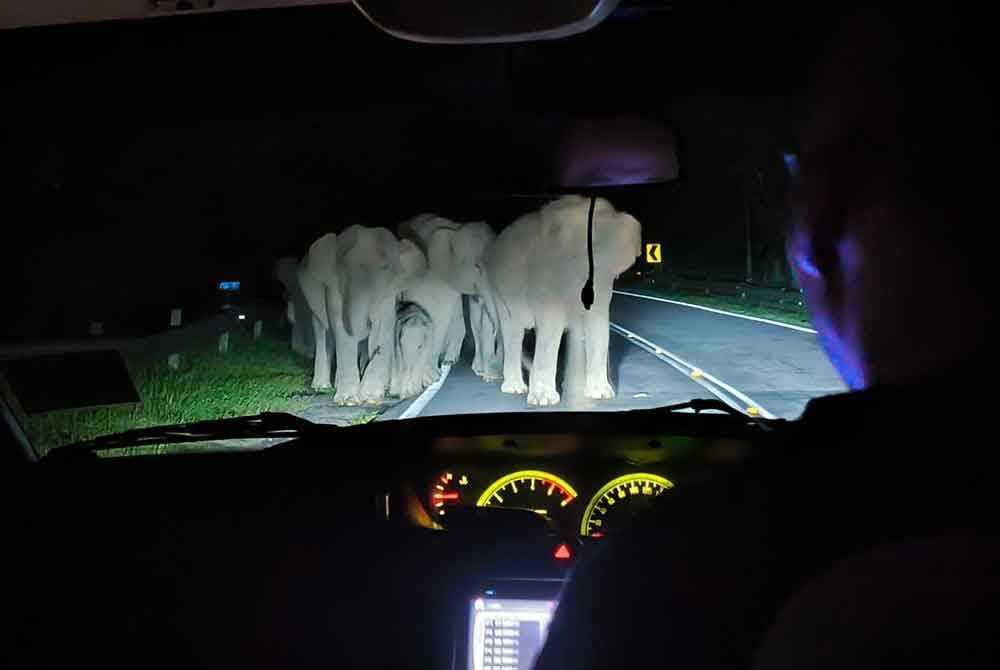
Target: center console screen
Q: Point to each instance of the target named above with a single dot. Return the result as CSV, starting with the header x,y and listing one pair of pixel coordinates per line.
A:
x,y
507,633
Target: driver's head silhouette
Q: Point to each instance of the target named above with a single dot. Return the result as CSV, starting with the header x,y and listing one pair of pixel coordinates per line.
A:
x,y
889,240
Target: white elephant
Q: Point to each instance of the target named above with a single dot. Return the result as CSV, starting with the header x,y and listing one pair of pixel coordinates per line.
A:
x,y
455,254
352,282
536,269
413,335
443,306
297,312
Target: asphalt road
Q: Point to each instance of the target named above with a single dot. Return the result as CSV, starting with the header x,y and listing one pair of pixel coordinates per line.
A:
x,y
779,368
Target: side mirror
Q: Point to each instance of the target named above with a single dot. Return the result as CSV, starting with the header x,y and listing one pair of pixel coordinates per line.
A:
x,y
484,21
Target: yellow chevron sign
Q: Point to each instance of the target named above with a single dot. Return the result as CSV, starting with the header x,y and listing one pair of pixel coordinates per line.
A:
x,y
653,253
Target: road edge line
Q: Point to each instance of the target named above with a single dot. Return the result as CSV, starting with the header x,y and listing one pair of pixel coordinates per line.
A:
x,y
421,401
720,389
759,319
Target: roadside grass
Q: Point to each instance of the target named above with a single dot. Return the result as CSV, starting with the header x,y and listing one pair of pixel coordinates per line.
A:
x,y
254,376
735,304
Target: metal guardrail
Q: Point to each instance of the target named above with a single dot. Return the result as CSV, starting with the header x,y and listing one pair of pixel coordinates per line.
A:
x,y
201,335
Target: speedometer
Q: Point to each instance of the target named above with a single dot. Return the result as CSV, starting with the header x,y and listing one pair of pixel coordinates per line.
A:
x,y
540,491
613,507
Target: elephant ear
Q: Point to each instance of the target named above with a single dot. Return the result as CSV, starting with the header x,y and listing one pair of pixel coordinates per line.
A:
x,y
354,274
417,229
285,271
480,236
369,265
441,250
317,273
321,259
474,241
411,259
399,256
621,241
634,238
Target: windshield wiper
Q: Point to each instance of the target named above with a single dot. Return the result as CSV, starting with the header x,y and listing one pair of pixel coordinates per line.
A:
x,y
267,424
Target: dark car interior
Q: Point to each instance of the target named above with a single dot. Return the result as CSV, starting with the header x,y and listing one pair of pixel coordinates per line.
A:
x,y
336,549
438,542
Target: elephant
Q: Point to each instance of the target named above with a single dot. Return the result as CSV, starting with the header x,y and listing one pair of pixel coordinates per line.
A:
x,y
454,258
297,312
443,305
535,271
352,282
413,334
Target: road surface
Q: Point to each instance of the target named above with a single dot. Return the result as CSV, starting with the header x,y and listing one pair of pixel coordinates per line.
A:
x,y
654,348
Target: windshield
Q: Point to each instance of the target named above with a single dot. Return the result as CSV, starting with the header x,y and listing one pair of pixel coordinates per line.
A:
x,y
290,211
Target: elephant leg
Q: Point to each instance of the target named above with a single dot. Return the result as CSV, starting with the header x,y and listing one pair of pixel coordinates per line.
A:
x,y
492,344
321,361
542,389
595,340
348,377
302,316
375,379
456,333
487,361
440,313
381,353
416,352
574,374
403,360
403,382
476,325
300,339
513,374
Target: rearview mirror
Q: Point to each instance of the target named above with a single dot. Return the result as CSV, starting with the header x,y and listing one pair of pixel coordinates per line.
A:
x,y
484,21
536,153
614,150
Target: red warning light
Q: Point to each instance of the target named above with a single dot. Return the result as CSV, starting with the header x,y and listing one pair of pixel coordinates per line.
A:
x,y
562,552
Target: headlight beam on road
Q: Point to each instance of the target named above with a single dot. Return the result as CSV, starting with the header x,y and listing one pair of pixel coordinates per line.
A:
x,y
720,389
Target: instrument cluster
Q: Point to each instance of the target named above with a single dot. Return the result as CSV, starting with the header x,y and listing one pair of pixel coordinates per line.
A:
x,y
576,504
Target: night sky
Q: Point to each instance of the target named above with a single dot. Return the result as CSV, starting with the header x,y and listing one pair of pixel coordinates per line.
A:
x,y
143,161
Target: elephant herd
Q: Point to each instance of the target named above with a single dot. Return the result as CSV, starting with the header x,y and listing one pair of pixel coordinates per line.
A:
x,y
384,311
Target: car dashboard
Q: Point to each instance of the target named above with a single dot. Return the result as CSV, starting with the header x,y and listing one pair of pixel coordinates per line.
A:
x,y
279,557
584,487
531,507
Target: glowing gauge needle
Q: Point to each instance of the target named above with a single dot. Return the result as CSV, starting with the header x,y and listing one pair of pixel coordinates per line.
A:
x,y
443,494
528,489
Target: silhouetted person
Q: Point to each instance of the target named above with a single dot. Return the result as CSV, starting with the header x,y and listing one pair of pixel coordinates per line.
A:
x,y
866,537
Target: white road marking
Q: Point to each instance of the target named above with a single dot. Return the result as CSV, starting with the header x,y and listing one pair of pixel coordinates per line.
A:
x,y
726,393
418,405
801,329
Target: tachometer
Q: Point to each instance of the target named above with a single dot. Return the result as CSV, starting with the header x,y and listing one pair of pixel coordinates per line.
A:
x,y
613,507
531,489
